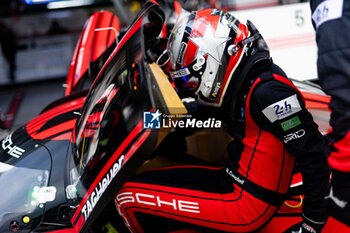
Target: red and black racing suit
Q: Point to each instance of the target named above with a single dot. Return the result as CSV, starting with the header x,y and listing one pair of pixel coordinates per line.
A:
x,y
332,23
244,195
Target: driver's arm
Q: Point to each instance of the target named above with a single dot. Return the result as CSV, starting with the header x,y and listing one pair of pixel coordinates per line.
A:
x,y
301,137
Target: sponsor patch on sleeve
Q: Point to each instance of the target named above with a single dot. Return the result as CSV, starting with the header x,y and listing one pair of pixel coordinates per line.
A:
x,y
290,124
282,109
327,10
296,135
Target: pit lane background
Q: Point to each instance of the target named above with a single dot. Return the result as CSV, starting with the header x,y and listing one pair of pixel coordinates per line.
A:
x,y
287,30
290,35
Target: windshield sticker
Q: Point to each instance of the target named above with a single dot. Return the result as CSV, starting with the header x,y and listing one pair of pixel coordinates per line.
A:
x,y
71,192
282,109
101,187
290,124
47,194
14,151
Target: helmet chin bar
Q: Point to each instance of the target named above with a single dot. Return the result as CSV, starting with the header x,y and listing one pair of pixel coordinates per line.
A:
x,y
195,69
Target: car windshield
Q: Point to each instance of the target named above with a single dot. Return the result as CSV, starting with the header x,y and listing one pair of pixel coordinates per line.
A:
x,y
117,99
24,190
102,124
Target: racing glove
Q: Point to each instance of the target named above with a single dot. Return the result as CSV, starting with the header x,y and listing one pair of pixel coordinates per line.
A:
x,y
306,226
338,199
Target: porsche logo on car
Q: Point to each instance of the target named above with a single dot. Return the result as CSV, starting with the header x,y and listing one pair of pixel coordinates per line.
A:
x,y
13,150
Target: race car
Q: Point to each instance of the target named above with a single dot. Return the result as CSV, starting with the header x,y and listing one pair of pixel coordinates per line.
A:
x,y
61,171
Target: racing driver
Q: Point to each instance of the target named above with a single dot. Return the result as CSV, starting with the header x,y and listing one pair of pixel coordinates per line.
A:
x,y
229,65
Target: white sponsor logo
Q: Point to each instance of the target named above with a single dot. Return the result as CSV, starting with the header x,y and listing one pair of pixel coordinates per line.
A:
x,y
327,10
240,181
336,200
282,109
298,134
101,187
13,150
180,73
181,53
152,200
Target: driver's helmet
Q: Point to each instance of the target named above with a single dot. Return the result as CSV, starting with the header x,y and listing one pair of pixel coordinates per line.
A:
x,y
205,49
